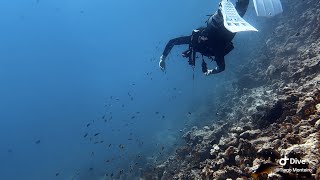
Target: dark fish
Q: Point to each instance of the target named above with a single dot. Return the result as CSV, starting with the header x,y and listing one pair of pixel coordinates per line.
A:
x,y
157,112
88,124
133,117
57,174
129,139
121,146
111,97
92,153
101,141
85,135
90,169
189,113
96,134
264,168
138,112
174,88
38,142
131,98
103,116
133,84
107,160
163,117
9,150
122,105
162,148
111,175
117,99
109,145
110,118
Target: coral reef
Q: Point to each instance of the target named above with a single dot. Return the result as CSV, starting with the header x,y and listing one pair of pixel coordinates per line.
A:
x,y
272,112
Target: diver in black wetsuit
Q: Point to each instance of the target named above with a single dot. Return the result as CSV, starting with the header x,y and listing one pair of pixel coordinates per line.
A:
x,y
212,40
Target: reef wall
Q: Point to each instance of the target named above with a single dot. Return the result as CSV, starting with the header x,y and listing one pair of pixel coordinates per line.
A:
x,y
272,111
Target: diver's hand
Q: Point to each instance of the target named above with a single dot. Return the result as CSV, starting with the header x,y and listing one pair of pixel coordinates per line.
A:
x,y
162,63
209,72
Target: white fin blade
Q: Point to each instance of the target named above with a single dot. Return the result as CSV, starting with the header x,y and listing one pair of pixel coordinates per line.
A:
x,y
267,8
232,20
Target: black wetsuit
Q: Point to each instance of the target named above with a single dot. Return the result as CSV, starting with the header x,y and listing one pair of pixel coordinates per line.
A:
x,y
212,40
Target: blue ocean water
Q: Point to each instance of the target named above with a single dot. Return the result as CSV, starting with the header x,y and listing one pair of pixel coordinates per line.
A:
x,y
81,92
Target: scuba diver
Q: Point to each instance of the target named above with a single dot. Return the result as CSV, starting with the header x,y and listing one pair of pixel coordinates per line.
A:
x,y
214,40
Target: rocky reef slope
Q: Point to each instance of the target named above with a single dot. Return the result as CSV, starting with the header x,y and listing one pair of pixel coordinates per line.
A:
x,y
272,112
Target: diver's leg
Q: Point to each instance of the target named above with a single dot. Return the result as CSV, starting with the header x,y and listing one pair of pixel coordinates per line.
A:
x,y
220,66
173,42
242,6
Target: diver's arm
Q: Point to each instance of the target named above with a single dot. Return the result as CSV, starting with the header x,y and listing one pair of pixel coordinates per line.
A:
x,y
220,66
169,46
242,6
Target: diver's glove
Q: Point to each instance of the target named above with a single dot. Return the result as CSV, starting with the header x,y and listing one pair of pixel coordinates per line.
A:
x,y
162,63
209,72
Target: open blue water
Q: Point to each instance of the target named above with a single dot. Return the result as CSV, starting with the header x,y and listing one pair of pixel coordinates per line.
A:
x,y
75,68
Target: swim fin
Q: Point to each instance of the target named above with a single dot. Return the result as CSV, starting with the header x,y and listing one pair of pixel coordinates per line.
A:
x,y
267,8
232,20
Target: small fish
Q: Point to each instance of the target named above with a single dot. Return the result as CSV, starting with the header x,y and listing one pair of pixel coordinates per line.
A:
x,y
117,99
131,98
57,174
122,105
162,148
88,124
96,134
264,168
107,160
38,142
85,135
